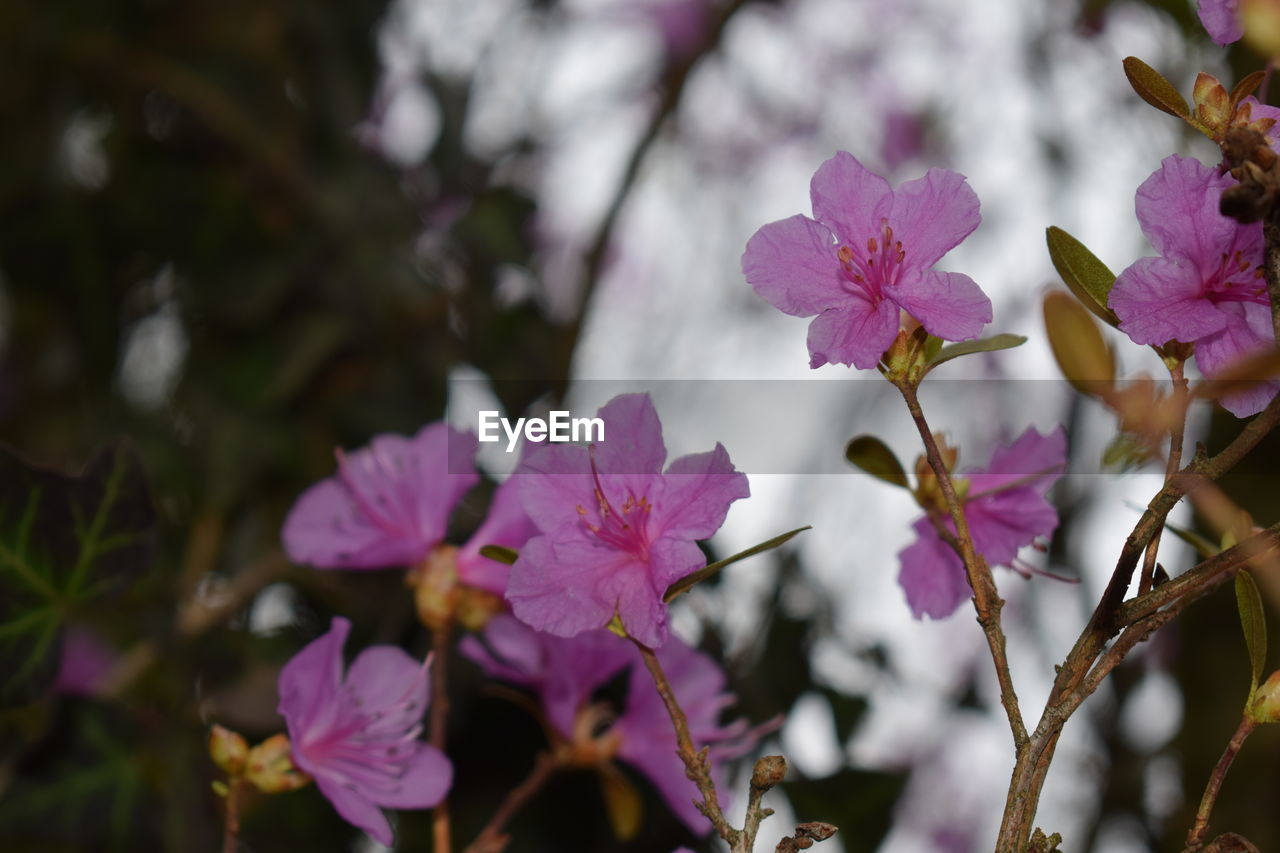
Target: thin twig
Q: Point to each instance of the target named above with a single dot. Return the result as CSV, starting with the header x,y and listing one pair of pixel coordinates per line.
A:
x,y
1195,837
696,763
440,644
1177,434
491,839
231,827
986,599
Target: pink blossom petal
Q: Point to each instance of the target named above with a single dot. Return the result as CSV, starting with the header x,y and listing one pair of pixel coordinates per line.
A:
x,y
389,503
850,199
427,777
566,587
932,575
1221,18
1031,454
309,683
855,333
633,436
950,305
1159,300
383,676
1006,521
1178,209
507,525
697,492
1247,333
792,263
554,482
357,809
932,215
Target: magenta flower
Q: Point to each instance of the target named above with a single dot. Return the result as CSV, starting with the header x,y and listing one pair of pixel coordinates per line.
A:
x,y
508,525
869,253
358,735
1207,287
388,504
566,672
85,662
615,530
1221,18
1006,510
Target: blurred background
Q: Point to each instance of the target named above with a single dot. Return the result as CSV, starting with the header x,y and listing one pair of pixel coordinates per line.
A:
x,y
242,234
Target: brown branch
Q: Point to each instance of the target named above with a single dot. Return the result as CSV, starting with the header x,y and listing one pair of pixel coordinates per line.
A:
x,y
697,765
1195,836
986,598
440,644
491,839
1177,434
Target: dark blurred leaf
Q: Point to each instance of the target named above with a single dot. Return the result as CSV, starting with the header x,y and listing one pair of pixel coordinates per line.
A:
x,y
64,542
874,456
500,553
1078,346
1253,620
859,802
622,802
847,711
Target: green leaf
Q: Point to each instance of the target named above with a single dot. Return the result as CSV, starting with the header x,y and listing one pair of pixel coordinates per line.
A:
x,y
874,456
685,584
500,553
1254,622
64,542
991,344
1203,546
1085,276
622,801
1081,351
1153,88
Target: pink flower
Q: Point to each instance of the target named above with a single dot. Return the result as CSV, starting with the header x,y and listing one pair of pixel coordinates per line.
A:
x,y
566,672
508,525
1221,18
869,253
388,504
358,735
85,662
1006,510
1207,287
615,530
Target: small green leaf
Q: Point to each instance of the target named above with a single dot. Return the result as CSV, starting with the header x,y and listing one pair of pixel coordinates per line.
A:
x,y
64,542
1254,622
991,344
686,583
500,553
622,801
1203,546
874,456
1082,352
1085,276
1153,88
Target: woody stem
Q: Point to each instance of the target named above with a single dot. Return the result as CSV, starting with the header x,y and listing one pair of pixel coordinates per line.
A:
x,y
986,599
440,639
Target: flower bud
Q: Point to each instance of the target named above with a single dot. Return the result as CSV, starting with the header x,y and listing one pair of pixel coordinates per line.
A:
x,y
271,767
436,590
1265,707
229,750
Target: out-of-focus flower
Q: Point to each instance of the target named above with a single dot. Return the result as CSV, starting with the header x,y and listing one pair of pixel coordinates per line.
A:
x,y
388,505
1221,18
566,672
358,735
84,664
1207,286
869,253
616,530
1006,510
